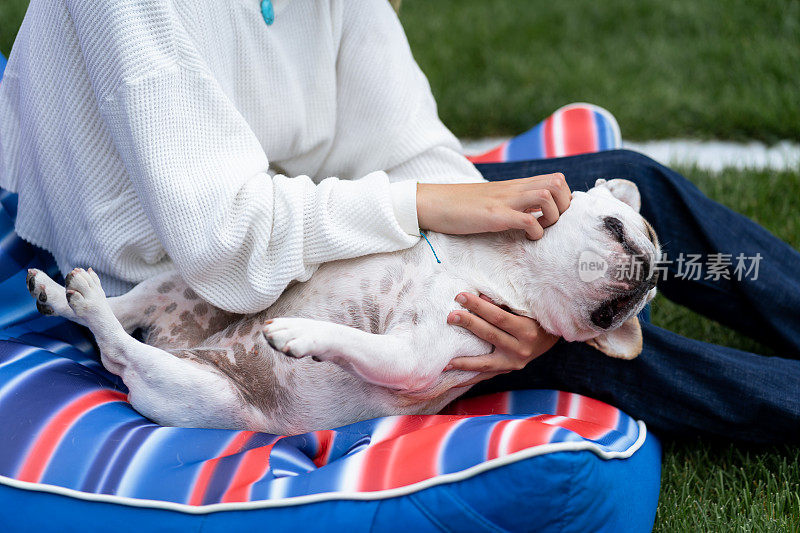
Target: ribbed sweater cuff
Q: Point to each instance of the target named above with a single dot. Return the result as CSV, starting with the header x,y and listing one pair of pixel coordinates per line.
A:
x,y
404,205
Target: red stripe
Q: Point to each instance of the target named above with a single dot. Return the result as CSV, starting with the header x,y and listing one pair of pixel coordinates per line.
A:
x,y
253,466
50,436
599,412
549,141
495,155
564,402
374,474
491,404
207,471
530,433
413,457
578,127
601,415
325,439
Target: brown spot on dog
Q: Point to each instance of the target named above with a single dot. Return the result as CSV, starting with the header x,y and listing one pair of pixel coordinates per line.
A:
x,y
387,319
186,331
238,350
404,290
411,316
166,287
149,310
245,327
171,307
386,283
371,310
200,308
189,294
354,312
251,373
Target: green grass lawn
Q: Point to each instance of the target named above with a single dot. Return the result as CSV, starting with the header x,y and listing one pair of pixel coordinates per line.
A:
x,y
726,70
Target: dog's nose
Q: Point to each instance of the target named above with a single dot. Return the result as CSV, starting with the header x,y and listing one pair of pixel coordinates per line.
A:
x,y
637,274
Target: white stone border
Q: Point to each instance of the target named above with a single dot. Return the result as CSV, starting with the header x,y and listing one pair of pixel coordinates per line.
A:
x,y
713,156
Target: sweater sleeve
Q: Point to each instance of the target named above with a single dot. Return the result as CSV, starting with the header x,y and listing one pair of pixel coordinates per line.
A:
x,y
387,117
237,235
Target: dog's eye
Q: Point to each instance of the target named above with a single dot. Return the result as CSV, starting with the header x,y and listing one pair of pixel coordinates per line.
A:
x,y
615,227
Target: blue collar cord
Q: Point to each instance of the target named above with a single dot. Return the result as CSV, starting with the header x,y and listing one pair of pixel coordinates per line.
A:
x,y
422,234
267,11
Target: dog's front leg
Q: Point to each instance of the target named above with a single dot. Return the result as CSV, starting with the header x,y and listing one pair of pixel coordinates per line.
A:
x,y
396,360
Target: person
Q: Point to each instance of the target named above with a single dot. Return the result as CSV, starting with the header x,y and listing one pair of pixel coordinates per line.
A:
x,y
246,148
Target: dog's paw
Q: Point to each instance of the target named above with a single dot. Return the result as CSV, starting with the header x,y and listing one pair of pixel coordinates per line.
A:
x,y
297,337
49,295
83,292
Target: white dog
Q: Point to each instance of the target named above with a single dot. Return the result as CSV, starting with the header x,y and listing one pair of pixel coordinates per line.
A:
x,y
366,337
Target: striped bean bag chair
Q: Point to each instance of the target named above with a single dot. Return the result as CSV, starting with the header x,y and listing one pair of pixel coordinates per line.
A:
x,y
74,455
573,129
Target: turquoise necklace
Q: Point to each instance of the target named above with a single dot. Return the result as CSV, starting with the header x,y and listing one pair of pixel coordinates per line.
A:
x,y
267,11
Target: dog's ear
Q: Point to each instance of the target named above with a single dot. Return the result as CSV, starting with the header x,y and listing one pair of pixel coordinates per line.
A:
x,y
624,190
625,342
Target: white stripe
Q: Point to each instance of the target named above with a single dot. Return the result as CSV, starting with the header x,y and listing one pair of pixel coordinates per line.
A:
x,y
574,405
278,488
327,496
505,436
558,134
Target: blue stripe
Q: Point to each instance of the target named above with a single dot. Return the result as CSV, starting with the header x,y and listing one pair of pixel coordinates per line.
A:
x,y
605,137
123,459
96,470
528,145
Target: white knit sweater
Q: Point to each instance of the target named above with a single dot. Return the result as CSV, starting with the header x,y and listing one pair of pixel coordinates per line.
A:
x,y
146,133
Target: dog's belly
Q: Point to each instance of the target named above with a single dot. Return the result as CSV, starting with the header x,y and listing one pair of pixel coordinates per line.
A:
x,y
373,294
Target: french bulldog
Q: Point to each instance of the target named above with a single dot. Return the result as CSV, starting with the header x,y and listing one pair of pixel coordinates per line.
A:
x,y
366,337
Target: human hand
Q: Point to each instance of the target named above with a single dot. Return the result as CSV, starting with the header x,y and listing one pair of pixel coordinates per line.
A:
x,y
493,206
517,340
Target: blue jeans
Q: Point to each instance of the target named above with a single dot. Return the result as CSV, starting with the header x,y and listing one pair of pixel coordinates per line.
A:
x,y
681,386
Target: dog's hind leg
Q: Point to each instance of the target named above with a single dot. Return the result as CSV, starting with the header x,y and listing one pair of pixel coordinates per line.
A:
x,y
396,360
133,309
170,390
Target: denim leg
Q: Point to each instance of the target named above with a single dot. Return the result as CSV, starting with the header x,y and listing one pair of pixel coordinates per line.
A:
x,y
681,386
688,222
